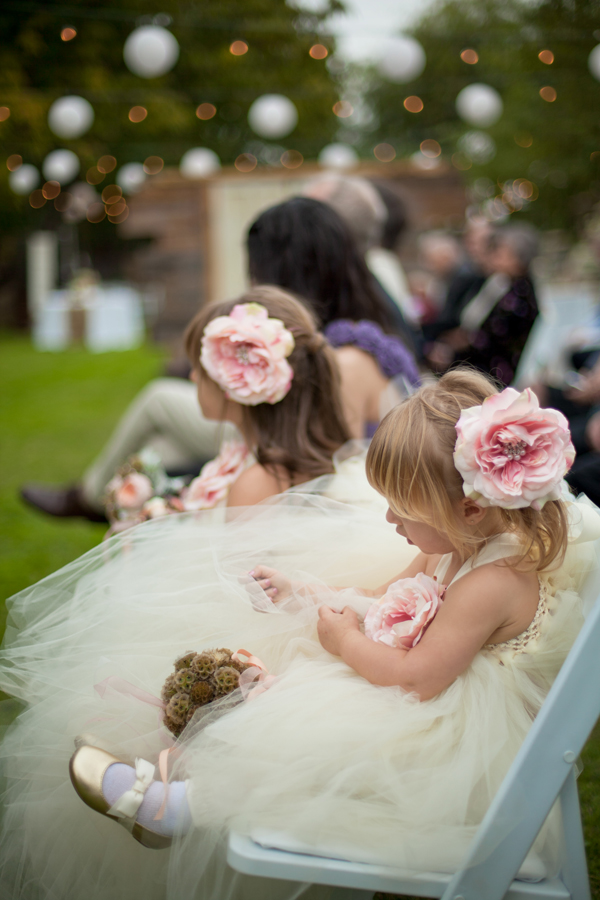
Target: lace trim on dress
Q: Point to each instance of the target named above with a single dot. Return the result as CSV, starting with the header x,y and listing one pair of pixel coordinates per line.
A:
x,y
520,643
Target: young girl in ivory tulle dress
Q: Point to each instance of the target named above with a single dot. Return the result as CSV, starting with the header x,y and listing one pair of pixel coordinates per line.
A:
x,y
391,713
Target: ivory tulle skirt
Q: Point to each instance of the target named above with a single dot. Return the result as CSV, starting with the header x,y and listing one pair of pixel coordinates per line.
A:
x,y
321,760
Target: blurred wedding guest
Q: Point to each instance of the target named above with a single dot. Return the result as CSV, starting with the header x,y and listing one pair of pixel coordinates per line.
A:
x,y
383,260
362,208
466,280
441,257
495,323
301,245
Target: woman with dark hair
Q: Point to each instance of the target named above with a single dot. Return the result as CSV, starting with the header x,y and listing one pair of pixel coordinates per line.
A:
x,y
303,245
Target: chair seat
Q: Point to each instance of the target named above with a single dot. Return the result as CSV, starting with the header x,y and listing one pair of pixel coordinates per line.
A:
x,y
247,856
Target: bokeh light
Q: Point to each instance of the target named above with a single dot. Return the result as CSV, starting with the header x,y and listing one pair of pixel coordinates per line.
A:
x,y
477,146
94,175
479,104
150,51
199,162
206,111
430,148
70,117
68,33
23,179
13,162
413,104
106,164
95,212
291,159
37,199
238,48
272,116
338,156
153,165
523,139
63,202
594,62
318,51
51,190
112,193
470,57
246,162
546,56
4,113
131,177
384,152
137,113
61,165
402,59
343,109
548,94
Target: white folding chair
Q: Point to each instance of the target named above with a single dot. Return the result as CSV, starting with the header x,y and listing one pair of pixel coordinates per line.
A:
x,y
542,772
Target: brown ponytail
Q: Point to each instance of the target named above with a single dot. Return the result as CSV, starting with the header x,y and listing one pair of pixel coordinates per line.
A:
x,y
301,432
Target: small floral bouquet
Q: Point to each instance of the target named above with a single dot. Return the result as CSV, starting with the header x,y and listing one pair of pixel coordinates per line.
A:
x,y
142,490
200,678
400,617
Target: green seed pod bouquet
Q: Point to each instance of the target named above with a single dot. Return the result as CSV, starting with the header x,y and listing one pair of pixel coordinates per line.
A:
x,y
198,679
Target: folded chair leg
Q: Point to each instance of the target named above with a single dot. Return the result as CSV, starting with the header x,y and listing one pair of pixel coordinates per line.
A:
x,y
574,872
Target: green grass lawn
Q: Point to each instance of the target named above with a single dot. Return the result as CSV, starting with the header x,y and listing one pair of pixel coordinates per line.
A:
x,y
56,411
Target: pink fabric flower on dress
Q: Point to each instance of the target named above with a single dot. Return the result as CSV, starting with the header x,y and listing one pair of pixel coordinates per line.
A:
x,y
511,453
131,491
245,353
401,616
216,477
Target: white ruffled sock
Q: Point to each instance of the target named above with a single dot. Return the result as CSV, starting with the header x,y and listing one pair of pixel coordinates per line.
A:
x,y
119,778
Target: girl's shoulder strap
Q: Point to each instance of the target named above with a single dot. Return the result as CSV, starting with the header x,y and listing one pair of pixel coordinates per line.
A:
x,y
499,547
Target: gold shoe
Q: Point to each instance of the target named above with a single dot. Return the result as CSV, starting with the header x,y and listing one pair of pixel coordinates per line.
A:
x,y
87,768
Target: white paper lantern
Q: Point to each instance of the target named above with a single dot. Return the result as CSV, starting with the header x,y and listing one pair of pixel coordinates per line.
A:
x,y
150,51
478,146
594,62
61,165
70,117
131,177
403,59
199,162
24,179
338,156
479,104
272,116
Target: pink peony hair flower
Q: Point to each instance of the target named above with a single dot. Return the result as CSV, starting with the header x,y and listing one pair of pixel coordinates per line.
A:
x,y
400,617
245,354
213,483
511,453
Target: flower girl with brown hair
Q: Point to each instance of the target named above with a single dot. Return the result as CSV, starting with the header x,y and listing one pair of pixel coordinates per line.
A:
x,y
392,711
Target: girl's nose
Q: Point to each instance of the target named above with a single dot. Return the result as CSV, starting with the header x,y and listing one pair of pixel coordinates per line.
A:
x,y
390,517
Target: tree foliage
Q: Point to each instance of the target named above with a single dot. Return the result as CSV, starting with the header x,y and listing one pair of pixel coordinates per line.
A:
x,y
548,143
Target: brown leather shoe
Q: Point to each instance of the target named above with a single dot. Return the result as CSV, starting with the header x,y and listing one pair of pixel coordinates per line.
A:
x,y
62,502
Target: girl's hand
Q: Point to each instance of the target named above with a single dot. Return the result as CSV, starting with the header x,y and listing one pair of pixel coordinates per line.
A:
x,y
333,627
272,582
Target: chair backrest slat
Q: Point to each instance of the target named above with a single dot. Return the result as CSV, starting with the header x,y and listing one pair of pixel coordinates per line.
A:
x,y
537,774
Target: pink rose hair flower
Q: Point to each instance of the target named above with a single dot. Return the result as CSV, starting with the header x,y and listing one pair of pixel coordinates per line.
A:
x,y
245,354
400,617
511,453
213,483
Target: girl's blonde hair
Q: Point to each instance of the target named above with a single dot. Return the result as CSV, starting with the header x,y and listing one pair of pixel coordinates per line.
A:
x,y
410,461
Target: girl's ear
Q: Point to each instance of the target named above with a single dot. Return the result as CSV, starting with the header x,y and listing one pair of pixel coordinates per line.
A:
x,y
471,512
